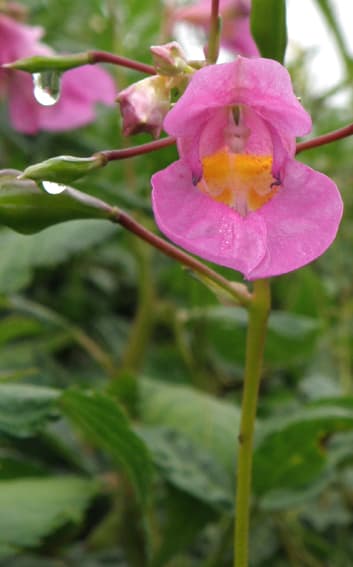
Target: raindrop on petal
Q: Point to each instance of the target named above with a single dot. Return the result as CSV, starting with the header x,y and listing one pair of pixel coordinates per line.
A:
x,y
46,87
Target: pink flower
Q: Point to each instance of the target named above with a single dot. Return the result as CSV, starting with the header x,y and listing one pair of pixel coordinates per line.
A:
x,y
81,87
237,197
236,34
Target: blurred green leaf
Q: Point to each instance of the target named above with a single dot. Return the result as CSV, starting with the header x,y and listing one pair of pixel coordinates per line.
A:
x,y
20,254
211,424
25,409
106,426
291,452
13,327
27,209
269,28
188,468
177,534
13,466
290,337
33,508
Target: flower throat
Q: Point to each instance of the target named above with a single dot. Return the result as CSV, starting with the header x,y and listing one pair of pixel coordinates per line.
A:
x,y
244,182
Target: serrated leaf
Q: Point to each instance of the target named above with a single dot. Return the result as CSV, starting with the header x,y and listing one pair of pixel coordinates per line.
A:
x,y
210,423
25,409
185,466
268,27
107,427
20,254
33,508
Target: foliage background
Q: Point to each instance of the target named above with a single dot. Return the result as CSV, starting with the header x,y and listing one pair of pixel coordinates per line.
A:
x,y
121,375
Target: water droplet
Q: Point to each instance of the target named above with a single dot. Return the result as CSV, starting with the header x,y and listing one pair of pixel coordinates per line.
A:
x,y
53,188
46,87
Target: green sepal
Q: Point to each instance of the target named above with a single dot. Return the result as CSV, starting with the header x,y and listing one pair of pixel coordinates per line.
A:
x,y
63,169
41,63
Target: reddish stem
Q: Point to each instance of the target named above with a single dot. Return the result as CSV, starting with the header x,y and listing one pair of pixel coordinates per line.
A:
x,y
114,155
214,12
325,138
106,57
122,218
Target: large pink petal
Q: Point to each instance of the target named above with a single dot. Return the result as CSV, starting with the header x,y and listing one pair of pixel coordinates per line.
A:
x,y
237,37
24,110
90,83
19,40
302,221
262,84
204,227
81,89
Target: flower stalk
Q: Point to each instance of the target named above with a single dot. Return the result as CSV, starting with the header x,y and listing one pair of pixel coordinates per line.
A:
x,y
257,326
239,296
325,138
124,153
95,56
215,33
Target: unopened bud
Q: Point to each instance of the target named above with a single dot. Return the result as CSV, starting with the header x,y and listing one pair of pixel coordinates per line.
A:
x,y
63,169
144,105
170,59
27,209
41,63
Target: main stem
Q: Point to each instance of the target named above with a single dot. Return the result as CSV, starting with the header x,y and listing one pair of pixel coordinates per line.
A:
x,y
258,316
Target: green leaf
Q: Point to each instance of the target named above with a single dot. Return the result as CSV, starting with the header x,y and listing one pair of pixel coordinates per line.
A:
x,y
291,454
188,468
290,337
25,409
27,209
13,466
20,254
33,508
211,424
13,327
177,534
268,27
107,427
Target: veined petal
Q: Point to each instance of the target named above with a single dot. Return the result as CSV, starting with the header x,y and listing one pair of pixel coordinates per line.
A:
x,y
302,221
203,226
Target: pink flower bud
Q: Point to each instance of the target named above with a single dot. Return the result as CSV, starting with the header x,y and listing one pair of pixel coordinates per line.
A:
x,y
144,105
169,59
236,34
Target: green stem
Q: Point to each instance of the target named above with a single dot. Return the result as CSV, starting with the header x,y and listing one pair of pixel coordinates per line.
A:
x,y
258,316
215,33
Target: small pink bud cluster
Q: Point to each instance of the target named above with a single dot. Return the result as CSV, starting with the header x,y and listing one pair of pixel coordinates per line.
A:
x,y
145,104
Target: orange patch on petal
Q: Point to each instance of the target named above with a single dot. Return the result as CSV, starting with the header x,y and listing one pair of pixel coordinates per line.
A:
x,y
241,181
